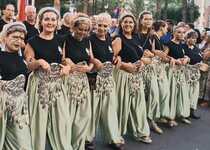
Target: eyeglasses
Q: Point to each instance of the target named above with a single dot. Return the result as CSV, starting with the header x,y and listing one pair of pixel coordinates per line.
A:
x,y
16,38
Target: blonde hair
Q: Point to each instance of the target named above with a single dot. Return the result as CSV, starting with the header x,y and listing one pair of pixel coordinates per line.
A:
x,y
105,17
81,18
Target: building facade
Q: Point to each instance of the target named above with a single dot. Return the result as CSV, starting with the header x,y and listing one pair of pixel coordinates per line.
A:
x,y
204,19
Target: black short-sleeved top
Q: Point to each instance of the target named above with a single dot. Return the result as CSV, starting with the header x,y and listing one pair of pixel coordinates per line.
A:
x,y
31,30
131,49
64,31
2,23
11,65
158,43
194,54
49,50
145,41
175,50
102,50
76,50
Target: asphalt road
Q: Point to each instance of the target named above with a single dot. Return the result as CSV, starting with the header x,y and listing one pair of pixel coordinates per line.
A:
x,y
184,137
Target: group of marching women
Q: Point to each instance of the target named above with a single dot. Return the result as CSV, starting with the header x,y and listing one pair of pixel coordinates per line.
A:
x,y
124,84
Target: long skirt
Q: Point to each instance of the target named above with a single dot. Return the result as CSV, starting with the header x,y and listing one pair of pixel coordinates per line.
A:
x,y
164,89
172,77
152,92
14,119
193,81
104,108
80,108
183,101
205,85
131,103
48,111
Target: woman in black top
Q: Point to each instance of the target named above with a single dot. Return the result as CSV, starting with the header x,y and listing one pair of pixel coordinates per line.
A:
x,y
194,53
14,119
78,50
104,98
129,82
145,22
152,48
156,78
49,112
179,96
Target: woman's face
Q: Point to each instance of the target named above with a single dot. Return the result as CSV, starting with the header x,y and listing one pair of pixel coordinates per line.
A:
x,y
102,27
128,25
49,22
81,31
147,21
14,41
179,33
164,29
192,41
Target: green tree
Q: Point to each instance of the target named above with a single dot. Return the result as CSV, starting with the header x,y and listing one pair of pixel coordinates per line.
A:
x,y
137,7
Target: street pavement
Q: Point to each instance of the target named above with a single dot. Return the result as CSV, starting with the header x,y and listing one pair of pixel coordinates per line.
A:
x,y
184,137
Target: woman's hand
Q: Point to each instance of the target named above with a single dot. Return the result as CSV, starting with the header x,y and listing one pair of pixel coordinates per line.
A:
x,y
82,68
129,67
178,62
185,60
172,62
148,53
117,61
44,65
65,69
160,54
97,63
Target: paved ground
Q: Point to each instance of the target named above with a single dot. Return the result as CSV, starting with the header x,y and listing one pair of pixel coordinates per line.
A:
x,y
183,137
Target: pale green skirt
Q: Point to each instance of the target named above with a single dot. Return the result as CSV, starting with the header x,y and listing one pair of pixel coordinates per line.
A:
x,y
48,111
14,119
183,101
131,105
193,77
172,77
164,89
152,92
80,108
104,110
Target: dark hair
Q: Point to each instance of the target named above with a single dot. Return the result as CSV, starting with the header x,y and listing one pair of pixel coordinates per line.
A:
x,y
5,6
158,24
199,40
192,34
169,22
141,16
191,25
121,20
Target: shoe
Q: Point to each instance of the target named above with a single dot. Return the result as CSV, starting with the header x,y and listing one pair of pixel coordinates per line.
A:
x,y
89,145
145,139
193,115
163,120
172,123
186,121
156,128
117,146
204,104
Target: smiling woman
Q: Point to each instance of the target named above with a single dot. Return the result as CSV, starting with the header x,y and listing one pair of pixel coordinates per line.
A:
x,y
129,81
46,93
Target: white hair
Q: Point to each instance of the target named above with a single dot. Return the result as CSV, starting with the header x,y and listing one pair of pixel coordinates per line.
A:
x,y
30,7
